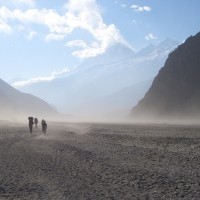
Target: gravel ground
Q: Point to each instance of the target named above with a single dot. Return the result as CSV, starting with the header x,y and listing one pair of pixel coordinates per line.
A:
x,y
100,161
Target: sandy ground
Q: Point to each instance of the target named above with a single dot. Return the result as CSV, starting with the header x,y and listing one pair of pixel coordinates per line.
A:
x,y
100,161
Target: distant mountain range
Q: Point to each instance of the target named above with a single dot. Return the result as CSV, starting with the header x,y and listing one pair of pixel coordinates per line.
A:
x,y
175,92
101,80
15,105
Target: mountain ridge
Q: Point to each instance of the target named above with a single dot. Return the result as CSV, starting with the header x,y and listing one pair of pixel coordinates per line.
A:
x,y
16,105
175,90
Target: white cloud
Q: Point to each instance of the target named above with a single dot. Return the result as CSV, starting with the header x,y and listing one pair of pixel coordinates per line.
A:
x,y
90,51
86,15
87,50
105,36
49,18
32,81
40,79
80,14
53,36
141,8
76,43
5,27
151,36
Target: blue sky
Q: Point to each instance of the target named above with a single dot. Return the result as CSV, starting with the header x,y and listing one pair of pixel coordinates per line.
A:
x,y
40,39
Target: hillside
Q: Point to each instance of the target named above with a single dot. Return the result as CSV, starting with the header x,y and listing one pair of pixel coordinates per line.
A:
x,y
175,92
15,105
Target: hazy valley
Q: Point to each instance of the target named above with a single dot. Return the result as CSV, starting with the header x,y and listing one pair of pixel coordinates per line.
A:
x,y
105,86
99,100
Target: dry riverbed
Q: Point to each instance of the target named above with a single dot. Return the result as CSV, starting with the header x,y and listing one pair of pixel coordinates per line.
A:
x,y
100,161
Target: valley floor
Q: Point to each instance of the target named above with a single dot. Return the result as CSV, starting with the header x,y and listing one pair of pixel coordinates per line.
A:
x,y
100,161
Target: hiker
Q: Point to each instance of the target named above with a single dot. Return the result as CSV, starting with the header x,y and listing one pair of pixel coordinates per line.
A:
x,y
36,122
30,124
44,126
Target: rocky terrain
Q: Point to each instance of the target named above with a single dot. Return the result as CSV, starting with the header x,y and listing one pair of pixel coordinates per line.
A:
x,y
100,161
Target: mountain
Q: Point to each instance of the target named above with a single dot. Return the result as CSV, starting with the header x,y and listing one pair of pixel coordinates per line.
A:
x,y
97,77
175,93
16,105
163,48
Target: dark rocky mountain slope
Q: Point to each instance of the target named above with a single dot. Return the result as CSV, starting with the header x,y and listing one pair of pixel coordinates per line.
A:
x,y
175,92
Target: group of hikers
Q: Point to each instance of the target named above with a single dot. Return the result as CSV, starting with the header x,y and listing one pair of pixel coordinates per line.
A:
x,y
33,121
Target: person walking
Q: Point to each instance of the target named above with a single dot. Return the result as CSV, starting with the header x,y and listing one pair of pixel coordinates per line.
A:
x,y
44,126
36,122
30,123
